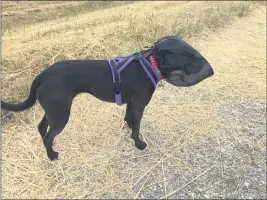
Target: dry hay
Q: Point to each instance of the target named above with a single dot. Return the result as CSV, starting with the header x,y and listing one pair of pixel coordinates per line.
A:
x,y
207,141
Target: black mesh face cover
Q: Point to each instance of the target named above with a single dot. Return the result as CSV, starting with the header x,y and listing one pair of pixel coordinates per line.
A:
x,y
180,64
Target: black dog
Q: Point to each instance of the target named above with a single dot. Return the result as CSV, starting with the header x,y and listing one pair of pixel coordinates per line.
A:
x,y
57,86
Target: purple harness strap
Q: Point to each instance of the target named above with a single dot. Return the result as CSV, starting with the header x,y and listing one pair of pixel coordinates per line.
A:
x,y
143,62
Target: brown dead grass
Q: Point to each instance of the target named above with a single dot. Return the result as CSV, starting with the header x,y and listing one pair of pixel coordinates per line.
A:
x,y
204,142
18,15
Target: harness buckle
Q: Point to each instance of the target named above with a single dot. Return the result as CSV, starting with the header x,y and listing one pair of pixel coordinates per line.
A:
x,y
136,55
117,87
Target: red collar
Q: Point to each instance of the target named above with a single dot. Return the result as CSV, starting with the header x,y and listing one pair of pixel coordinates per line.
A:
x,y
155,65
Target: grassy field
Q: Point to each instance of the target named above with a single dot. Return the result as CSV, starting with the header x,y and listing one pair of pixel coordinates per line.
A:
x,y
17,15
206,141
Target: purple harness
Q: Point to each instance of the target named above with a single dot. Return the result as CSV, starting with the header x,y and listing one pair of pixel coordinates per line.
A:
x,y
118,64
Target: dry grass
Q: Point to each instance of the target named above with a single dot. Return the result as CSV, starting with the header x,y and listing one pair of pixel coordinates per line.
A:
x,y
18,15
207,141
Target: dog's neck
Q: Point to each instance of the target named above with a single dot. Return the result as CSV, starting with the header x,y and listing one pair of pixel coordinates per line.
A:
x,y
148,55
155,65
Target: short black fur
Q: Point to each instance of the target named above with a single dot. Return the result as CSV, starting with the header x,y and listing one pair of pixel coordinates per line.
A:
x,y
57,86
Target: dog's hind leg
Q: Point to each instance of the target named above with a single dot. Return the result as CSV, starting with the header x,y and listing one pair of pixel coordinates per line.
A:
x,y
43,125
56,102
57,115
57,121
48,142
129,115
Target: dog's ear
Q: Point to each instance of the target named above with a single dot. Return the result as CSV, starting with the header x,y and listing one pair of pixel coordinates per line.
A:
x,y
180,63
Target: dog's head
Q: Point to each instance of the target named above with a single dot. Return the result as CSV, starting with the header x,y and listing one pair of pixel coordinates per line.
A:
x,y
180,64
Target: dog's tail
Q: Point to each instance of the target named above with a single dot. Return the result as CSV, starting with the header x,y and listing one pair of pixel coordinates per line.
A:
x,y
30,101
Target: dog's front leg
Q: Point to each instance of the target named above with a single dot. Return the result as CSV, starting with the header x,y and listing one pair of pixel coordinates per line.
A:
x,y
137,113
129,115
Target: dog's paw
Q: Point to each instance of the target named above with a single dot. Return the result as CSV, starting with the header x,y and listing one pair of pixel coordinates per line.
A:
x,y
53,155
140,145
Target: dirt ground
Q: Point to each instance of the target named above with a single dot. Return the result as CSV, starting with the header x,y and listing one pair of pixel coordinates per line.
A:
x,y
208,141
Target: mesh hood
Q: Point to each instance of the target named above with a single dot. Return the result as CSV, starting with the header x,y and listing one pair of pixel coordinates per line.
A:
x,y
180,63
